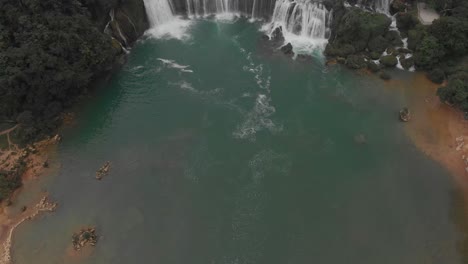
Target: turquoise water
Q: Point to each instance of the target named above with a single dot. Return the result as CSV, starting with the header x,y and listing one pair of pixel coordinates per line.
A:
x,y
225,152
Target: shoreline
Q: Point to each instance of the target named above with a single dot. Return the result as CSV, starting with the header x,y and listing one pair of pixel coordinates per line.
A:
x,y
437,129
12,216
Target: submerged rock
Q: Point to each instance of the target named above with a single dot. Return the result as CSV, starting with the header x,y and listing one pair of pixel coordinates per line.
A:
x,y
103,171
405,114
385,76
83,237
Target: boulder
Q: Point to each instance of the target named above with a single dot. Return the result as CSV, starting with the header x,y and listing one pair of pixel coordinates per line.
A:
x,y
389,61
385,76
356,62
375,55
407,63
277,35
372,66
287,49
405,114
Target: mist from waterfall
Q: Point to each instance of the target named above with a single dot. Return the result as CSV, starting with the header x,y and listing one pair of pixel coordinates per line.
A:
x,y
163,22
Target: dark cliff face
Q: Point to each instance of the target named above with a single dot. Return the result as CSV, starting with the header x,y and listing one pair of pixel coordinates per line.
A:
x,y
129,18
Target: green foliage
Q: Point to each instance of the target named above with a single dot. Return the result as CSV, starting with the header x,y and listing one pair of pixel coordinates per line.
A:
x,y
9,181
358,27
50,51
389,61
456,92
452,32
429,53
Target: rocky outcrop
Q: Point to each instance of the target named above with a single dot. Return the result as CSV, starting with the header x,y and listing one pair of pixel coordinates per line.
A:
x,y
124,20
84,237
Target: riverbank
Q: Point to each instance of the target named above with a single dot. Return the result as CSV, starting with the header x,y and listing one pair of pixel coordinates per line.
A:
x,y
37,162
437,129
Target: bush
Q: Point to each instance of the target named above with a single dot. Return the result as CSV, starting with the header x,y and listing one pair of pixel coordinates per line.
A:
x,y
437,76
429,53
389,61
456,92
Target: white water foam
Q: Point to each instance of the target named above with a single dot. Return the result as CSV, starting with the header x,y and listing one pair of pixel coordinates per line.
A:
x,y
163,22
258,119
174,65
176,29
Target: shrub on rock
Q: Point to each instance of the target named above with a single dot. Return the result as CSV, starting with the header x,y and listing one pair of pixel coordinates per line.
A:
x,y
389,61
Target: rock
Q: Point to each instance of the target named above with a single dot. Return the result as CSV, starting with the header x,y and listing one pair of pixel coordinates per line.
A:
x,y
374,67
83,237
57,138
404,50
23,208
341,60
287,49
277,35
385,76
389,61
45,164
407,63
304,58
265,37
375,55
360,139
405,114
103,171
356,62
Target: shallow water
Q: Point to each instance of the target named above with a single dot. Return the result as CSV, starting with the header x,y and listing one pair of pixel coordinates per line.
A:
x,y
225,153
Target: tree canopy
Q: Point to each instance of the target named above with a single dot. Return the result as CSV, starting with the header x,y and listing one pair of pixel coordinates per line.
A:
x,y
50,51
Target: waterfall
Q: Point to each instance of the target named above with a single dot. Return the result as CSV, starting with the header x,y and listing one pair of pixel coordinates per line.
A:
x,y
305,23
382,6
251,8
159,11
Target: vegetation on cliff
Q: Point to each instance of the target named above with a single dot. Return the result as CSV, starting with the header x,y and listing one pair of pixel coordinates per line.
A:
x,y
50,51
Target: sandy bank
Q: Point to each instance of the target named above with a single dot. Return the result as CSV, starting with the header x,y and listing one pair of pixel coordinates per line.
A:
x,y
437,129
13,216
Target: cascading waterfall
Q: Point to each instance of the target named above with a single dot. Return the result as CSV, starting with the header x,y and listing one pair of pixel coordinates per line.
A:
x,y
252,8
302,18
305,23
159,11
382,6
